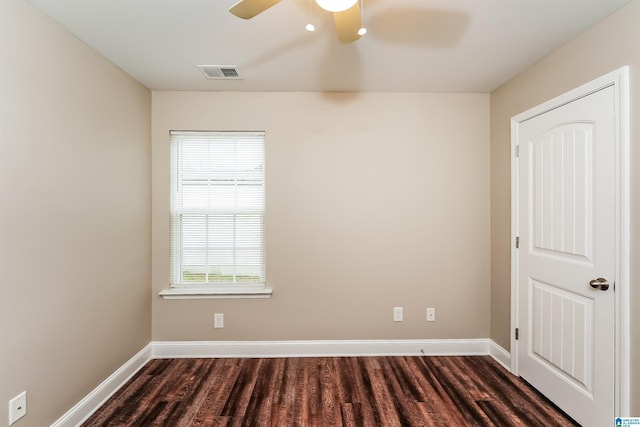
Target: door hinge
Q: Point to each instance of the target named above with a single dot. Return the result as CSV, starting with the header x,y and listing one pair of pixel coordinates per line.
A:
x,y
517,242
517,333
517,148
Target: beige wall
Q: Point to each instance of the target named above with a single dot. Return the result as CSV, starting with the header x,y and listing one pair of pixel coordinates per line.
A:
x,y
373,201
609,45
74,216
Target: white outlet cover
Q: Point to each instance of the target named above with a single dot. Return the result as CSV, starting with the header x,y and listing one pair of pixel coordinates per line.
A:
x,y
17,407
218,320
431,314
397,314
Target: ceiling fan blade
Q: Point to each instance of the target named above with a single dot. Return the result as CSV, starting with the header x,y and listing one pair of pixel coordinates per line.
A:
x,y
247,9
348,23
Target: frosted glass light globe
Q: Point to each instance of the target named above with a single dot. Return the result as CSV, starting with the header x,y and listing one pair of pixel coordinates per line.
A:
x,y
336,5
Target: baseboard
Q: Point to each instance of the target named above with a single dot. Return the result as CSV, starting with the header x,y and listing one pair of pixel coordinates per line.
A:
x,y
186,349
87,406
501,355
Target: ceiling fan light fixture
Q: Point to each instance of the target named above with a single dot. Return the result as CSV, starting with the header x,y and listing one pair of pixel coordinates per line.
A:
x,y
336,5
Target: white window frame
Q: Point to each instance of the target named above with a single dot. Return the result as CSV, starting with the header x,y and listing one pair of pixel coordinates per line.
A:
x,y
199,290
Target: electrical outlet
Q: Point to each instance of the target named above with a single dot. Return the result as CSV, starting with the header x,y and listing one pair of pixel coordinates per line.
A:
x,y
397,314
17,407
431,314
218,320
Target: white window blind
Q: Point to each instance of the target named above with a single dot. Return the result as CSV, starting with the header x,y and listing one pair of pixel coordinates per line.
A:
x,y
217,209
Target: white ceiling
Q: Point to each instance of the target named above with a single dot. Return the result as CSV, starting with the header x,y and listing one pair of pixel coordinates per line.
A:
x,y
412,45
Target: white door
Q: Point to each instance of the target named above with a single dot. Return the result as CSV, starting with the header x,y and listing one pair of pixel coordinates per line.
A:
x,y
566,257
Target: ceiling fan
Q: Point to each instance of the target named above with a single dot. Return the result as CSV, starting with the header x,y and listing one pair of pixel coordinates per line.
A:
x,y
346,15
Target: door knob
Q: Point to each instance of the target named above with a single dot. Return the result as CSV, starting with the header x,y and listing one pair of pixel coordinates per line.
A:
x,y
599,283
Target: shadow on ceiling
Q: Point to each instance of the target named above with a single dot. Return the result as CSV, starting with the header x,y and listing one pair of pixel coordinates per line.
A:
x,y
282,49
418,27
340,70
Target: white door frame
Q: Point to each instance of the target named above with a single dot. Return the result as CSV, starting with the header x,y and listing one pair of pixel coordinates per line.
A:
x,y
619,79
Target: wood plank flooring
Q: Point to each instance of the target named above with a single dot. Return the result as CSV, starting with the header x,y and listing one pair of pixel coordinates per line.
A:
x,y
328,391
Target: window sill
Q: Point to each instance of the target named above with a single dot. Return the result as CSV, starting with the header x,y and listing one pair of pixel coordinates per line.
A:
x,y
215,293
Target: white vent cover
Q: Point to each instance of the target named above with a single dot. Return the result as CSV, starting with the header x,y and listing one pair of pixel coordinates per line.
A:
x,y
220,72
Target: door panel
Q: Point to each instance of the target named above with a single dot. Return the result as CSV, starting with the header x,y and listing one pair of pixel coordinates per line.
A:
x,y
562,178
561,330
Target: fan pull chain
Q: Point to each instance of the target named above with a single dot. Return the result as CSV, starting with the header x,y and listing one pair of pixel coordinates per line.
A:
x,y
363,30
310,27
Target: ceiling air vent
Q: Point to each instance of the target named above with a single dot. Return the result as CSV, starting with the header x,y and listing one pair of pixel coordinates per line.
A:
x,y
220,72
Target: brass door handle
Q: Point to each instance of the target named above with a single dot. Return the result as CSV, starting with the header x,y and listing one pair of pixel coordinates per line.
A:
x,y
599,283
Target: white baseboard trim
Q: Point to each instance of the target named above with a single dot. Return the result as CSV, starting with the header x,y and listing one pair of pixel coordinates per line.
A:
x,y
501,355
87,406
187,349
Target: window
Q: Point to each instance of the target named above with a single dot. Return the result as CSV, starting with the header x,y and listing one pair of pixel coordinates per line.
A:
x,y
217,214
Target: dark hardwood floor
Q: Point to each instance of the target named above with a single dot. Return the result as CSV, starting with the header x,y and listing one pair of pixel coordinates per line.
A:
x,y
328,391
